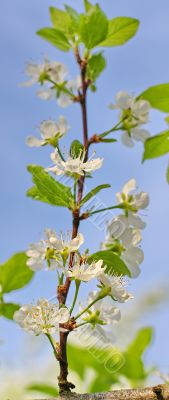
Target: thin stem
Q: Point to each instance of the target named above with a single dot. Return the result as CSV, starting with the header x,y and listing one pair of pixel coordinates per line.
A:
x,y
64,385
75,187
52,343
61,88
104,209
115,128
75,296
83,323
59,152
87,308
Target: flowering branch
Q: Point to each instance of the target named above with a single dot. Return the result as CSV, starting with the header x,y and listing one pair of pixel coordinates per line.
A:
x,y
120,254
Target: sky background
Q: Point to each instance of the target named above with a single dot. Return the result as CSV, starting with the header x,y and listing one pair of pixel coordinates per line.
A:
x,y
142,62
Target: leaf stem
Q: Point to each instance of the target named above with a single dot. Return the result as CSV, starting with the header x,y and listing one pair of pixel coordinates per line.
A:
x,y
87,308
117,127
75,187
104,209
75,296
59,152
61,88
52,343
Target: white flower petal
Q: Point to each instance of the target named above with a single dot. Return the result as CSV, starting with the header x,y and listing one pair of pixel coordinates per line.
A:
x,y
140,134
123,100
32,141
129,187
46,94
141,200
127,140
136,221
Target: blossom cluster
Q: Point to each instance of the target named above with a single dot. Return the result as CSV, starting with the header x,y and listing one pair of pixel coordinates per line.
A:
x,y
44,317
124,231
54,75
61,253
134,113
123,237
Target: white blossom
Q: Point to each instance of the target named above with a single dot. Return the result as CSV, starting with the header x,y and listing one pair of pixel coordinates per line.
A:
x,y
82,271
137,134
53,250
134,202
41,318
63,246
73,166
124,240
64,100
134,112
101,312
36,255
51,132
117,285
133,257
53,70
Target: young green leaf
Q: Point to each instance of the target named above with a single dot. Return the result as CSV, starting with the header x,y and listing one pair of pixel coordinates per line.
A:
x,y
94,359
95,66
14,273
44,388
110,140
34,193
72,12
93,192
133,368
60,19
55,37
120,30
115,266
156,146
93,27
167,174
87,5
7,310
158,96
76,148
48,188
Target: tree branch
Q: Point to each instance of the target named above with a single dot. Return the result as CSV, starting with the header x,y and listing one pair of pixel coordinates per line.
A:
x,y
160,392
63,290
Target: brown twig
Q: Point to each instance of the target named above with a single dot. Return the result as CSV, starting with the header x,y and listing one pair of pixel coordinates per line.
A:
x,y
63,290
160,392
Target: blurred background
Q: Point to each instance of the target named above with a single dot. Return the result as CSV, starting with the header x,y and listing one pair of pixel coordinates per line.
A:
x,y
142,62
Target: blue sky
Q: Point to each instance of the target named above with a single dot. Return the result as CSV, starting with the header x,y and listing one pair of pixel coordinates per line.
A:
x,y
141,63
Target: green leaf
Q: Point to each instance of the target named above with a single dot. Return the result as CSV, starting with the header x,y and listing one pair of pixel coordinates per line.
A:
x,y
167,174
44,388
76,148
55,37
14,273
93,192
34,193
87,5
120,30
134,367
48,188
93,27
158,96
102,361
156,146
110,140
7,310
73,13
115,266
95,67
60,19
